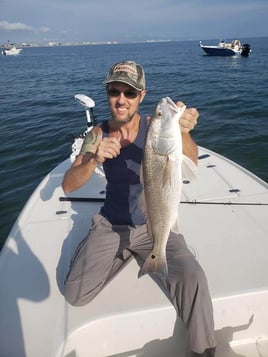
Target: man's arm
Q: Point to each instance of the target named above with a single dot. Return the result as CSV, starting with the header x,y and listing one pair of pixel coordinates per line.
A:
x,y
190,147
95,150
187,123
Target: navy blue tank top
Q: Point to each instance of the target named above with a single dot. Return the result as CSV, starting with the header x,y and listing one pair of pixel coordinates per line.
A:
x,y
123,181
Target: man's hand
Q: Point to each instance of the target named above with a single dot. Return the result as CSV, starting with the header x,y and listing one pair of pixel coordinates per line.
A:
x,y
188,120
108,148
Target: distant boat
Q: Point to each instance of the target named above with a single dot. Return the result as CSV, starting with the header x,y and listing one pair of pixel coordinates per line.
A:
x,y
11,50
227,49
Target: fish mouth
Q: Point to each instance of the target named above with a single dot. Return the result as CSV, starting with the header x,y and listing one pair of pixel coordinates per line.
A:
x,y
168,101
166,107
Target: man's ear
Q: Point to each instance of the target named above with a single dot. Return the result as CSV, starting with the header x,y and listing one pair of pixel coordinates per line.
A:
x,y
143,93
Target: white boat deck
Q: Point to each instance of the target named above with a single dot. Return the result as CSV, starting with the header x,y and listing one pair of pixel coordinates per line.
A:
x,y
132,317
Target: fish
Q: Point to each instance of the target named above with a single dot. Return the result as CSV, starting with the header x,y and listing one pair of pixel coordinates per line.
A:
x,y
162,180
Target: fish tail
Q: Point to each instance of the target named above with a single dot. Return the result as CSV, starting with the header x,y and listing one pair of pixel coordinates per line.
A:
x,y
154,264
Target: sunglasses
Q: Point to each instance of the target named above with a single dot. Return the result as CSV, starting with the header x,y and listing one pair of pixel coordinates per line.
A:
x,y
129,93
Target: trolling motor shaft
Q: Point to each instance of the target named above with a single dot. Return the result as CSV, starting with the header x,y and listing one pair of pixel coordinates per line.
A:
x,y
88,103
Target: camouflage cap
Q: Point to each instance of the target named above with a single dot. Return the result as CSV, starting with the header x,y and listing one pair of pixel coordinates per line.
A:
x,y
127,72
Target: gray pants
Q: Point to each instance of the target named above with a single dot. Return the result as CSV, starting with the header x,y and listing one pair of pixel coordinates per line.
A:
x,y
108,248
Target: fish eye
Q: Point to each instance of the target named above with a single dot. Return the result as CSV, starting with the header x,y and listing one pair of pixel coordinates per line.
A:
x,y
159,115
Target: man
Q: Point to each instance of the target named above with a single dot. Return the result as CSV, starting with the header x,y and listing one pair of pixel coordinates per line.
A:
x,y
119,230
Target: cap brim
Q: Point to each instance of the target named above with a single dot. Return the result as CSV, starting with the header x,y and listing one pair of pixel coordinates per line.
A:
x,y
123,81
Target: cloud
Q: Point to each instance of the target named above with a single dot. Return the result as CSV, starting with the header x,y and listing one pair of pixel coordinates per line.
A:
x,y
44,29
15,26
19,26
106,20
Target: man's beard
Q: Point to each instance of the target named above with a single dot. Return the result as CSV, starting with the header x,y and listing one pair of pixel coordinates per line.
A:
x,y
122,120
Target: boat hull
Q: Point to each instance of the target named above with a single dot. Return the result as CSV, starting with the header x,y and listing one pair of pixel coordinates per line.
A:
x,y
131,316
217,51
11,52
227,49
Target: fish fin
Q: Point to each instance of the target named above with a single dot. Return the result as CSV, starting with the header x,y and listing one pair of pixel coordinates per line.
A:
x,y
143,208
142,204
149,229
175,227
168,171
154,264
141,174
189,168
141,200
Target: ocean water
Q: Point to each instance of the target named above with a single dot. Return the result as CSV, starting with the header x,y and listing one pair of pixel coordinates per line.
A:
x,y
39,113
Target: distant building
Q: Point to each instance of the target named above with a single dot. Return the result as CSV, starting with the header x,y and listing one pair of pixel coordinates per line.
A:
x,y
52,43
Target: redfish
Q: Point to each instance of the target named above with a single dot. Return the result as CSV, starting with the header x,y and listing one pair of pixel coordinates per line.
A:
x,y
162,181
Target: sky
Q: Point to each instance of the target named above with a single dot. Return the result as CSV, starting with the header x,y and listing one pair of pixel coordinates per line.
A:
x,y
42,21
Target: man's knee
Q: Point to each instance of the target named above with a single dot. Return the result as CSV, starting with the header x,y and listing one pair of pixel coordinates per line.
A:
x,y
75,295
193,277
72,297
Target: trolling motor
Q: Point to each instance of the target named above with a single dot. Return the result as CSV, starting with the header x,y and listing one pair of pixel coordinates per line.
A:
x,y
88,103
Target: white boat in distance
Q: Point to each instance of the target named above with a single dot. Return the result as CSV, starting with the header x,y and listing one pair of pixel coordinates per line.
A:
x,y
223,216
227,49
11,50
